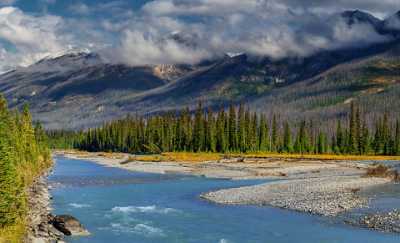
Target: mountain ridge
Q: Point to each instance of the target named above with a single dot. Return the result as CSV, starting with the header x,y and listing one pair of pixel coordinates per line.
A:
x,y
89,90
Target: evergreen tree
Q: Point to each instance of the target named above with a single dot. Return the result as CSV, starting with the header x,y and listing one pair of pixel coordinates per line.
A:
x,y
232,129
302,140
274,134
242,129
396,147
198,131
352,131
340,138
222,140
263,134
287,138
211,131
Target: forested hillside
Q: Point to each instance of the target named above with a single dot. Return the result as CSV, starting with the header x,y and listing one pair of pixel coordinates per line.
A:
x,y
238,130
24,155
320,86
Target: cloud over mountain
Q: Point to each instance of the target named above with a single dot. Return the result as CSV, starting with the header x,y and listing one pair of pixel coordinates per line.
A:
x,y
152,33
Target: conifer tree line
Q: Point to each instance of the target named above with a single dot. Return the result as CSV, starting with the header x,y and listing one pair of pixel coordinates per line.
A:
x,y
237,129
24,154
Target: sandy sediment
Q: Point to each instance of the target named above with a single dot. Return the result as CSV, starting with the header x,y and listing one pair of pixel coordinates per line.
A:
x,y
232,168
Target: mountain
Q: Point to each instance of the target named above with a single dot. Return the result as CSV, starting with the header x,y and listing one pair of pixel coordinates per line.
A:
x,y
81,90
360,17
391,25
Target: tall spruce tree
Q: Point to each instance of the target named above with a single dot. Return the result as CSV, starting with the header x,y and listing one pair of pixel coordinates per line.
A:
x,y
274,134
232,129
352,143
287,138
396,147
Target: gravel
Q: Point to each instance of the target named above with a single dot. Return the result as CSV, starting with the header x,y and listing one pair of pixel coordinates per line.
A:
x,y
322,196
386,222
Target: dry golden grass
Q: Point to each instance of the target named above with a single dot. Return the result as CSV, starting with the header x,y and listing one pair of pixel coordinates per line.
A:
x,y
203,156
179,157
321,156
13,234
192,157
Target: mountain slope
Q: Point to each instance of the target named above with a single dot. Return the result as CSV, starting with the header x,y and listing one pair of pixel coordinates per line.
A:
x,y
81,90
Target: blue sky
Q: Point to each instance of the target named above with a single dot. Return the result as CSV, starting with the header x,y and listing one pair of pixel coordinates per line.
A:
x,y
139,32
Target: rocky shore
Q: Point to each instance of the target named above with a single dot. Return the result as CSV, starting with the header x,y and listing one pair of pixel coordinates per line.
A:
x,y
386,222
43,226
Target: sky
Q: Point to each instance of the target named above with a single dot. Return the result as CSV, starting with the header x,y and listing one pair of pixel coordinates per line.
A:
x,y
141,32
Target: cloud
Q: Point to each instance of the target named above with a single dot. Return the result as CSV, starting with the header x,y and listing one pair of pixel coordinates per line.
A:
x,y
271,28
138,48
204,7
30,38
188,31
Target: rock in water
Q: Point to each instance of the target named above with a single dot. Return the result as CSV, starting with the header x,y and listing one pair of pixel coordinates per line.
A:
x,y
69,225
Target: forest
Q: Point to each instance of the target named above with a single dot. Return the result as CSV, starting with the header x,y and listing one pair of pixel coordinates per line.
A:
x,y
24,155
237,129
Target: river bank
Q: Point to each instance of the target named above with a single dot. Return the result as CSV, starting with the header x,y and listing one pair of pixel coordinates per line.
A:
x,y
326,188
42,225
40,230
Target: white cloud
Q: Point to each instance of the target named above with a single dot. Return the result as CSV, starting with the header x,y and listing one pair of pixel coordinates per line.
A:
x,y
32,37
202,7
208,28
138,48
260,27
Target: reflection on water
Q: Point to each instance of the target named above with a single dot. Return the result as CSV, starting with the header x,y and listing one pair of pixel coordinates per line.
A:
x,y
122,206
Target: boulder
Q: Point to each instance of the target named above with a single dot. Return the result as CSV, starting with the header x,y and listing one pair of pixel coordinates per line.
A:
x,y
69,225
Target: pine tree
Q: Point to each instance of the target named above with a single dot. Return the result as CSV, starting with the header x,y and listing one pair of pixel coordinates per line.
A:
x,y
198,131
302,140
386,135
211,132
242,126
358,131
263,134
378,137
232,129
364,143
352,130
222,140
11,185
274,134
321,143
396,147
287,138
340,138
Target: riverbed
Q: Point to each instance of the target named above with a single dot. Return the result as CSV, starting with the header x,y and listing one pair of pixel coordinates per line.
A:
x,y
118,205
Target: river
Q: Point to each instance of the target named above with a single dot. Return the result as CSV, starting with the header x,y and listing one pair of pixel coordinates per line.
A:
x,y
116,205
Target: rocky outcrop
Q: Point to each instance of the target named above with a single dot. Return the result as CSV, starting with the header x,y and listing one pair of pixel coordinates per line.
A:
x,y
69,225
43,226
39,215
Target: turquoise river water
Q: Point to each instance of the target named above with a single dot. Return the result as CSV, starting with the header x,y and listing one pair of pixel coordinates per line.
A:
x,y
116,206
